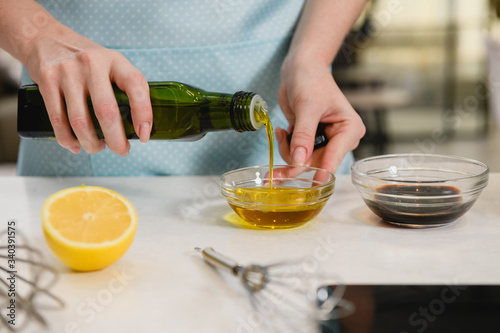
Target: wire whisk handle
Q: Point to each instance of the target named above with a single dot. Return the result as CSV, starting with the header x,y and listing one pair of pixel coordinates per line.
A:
x,y
215,258
253,277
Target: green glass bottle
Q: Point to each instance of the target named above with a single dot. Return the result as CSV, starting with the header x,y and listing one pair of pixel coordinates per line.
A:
x,y
180,112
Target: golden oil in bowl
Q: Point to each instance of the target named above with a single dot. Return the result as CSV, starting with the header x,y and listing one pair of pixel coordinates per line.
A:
x,y
298,195
277,208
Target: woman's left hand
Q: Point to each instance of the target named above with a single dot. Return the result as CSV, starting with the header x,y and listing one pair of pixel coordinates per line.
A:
x,y
308,95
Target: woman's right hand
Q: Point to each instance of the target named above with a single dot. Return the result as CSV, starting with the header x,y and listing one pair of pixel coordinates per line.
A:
x,y
69,68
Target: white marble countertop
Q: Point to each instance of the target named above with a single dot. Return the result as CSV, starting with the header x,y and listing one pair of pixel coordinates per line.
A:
x,y
161,284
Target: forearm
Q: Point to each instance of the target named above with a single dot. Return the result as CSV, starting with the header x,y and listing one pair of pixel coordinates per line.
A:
x,y
322,28
21,23
308,94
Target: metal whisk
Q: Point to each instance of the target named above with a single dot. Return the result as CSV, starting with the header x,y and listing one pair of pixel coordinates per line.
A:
x,y
286,296
25,283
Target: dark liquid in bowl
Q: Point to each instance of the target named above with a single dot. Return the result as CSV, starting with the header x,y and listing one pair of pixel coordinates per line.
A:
x,y
429,209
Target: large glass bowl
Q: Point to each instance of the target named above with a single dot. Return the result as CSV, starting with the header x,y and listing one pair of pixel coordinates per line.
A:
x,y
297,195
419,190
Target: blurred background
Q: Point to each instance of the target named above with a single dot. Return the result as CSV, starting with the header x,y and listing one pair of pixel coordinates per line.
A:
x,y
421,74
424,76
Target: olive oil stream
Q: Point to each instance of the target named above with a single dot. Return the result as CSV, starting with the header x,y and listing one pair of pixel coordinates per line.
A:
x,y
263,116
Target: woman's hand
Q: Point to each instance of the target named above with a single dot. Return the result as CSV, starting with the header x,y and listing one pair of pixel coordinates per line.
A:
x,y
309,95
69,68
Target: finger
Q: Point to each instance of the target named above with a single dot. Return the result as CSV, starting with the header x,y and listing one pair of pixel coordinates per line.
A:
x,y
109,117
58,117
135,85
344,137
304,132
79,117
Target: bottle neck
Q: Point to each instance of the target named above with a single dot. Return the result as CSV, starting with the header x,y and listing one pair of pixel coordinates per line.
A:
x,y
245,108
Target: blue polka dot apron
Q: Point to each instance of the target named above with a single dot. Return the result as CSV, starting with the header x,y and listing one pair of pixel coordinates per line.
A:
x,y
215,45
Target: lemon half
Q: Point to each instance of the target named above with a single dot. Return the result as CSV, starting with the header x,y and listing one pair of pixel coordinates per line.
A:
x,y
88,227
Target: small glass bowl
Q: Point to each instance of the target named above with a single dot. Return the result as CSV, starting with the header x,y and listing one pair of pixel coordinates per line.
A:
x,y
419,190
297,195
